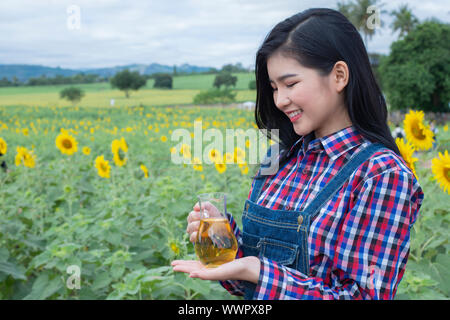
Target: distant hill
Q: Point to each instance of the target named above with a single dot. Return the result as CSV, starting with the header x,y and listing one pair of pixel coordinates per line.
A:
x,y
23,72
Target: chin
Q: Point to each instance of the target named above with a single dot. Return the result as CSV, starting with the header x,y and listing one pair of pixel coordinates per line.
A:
x,y
302,131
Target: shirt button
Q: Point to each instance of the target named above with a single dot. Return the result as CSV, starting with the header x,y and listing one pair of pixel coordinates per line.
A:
x,y
300,219
305,171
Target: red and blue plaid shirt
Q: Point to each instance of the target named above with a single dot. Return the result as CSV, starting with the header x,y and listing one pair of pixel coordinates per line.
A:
x,y
359,244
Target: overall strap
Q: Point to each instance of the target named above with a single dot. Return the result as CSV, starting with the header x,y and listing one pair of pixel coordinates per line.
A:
x,y
339,179
259,183
257,189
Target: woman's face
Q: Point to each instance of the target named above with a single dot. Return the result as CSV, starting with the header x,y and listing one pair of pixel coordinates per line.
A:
x,y
312,102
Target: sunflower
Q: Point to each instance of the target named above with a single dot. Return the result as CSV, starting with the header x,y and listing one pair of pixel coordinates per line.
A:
x,y
215,156
163,138
103,167
19,155
221,167
144,170
86,150
175,248
244,169
197,164
441,169
228,158
26,157
66,143
407,151
239,155
185,151
417,132
119,148
3,147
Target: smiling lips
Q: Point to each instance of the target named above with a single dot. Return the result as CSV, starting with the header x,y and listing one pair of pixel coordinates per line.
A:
x,y
294,115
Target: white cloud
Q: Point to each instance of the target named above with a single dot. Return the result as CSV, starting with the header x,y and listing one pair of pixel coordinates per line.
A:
x,y
115,32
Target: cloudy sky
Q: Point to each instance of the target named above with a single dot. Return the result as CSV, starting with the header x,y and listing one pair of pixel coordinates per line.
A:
x,y
199,32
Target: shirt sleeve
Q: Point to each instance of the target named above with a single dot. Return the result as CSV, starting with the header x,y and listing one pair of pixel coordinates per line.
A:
x,y
371,249
235,287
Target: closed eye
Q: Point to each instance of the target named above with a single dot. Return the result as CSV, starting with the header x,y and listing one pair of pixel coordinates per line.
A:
x,y
287,86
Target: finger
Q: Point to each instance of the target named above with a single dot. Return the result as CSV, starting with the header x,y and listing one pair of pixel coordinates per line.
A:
x,y
182,262
193,216
205,205
193,226
207,274
193,236
208,206
227,271
186,266
196,207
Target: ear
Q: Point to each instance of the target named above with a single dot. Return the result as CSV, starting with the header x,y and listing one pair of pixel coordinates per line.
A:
x,y
340,75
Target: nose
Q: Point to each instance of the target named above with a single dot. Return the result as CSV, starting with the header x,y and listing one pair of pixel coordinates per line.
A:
x,y
281,99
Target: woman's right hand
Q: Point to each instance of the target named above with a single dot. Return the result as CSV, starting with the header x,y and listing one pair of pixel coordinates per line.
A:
x,y
194,217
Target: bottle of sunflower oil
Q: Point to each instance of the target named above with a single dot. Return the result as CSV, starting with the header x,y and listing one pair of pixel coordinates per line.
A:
x,y
215,243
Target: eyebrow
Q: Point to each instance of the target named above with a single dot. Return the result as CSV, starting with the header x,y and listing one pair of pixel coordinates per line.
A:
x,y
281,78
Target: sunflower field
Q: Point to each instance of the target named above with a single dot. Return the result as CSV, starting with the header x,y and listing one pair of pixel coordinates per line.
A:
x,y
92,207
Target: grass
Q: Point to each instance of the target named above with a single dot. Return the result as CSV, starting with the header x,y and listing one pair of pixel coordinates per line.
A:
x,y
99,94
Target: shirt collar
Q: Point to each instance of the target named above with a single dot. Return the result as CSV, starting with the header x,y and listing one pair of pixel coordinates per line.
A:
x,y
334,144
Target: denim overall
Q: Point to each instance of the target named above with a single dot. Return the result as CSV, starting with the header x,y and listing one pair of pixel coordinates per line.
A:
x,y
282,235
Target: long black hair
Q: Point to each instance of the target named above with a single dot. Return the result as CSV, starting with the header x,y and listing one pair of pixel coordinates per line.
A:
x,y
318,38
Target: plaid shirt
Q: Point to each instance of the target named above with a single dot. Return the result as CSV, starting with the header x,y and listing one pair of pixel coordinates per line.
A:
x,y
358,244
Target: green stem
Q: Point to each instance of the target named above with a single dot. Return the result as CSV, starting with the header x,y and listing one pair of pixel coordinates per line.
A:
x,y
423,247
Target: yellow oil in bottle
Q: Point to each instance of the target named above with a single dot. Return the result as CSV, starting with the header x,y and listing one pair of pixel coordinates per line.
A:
x,y
216,243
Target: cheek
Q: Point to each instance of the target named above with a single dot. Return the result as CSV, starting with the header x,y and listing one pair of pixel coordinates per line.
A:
x,y
315,98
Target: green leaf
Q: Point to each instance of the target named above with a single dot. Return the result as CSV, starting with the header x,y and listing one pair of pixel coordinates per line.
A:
x,y
41,259
102,280
4,254
43,287
15,271
117,271
442,273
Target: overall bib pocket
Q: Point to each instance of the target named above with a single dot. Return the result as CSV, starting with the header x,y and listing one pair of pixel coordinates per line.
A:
x,y
282,252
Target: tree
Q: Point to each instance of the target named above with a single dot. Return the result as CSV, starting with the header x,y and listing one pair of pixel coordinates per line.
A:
x,y
233,68
126,81
163,80
346,9
225,79
404,20
252,85
72,94
415,74
362,16
213,96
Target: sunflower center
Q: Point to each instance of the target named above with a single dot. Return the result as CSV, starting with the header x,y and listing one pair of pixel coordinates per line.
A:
x,y
121,155
418,132
67,144
447,173
103,167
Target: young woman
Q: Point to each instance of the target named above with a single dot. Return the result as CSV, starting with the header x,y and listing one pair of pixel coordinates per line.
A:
x,y
334,221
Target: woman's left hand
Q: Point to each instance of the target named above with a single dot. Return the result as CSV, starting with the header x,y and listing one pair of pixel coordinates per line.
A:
x,y
246,268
